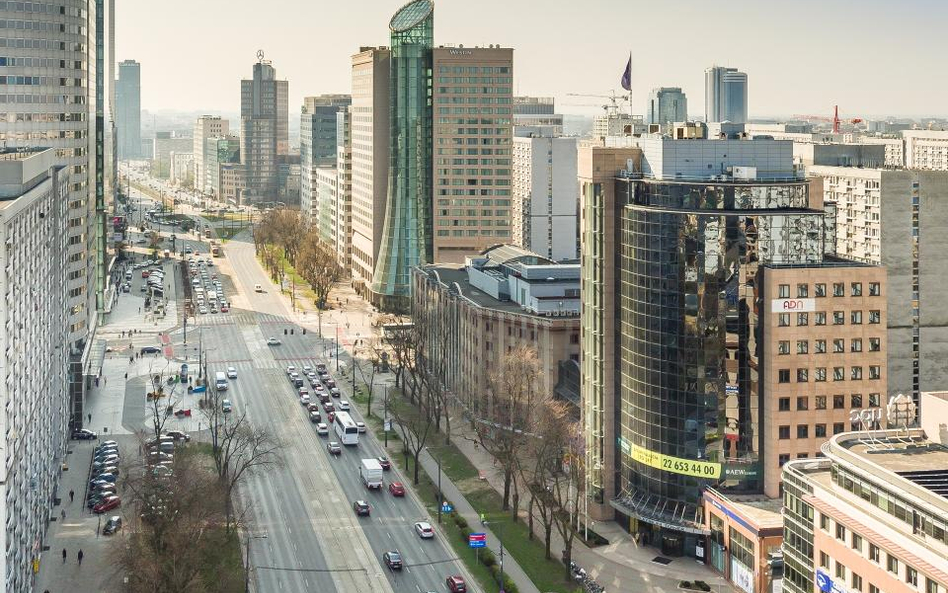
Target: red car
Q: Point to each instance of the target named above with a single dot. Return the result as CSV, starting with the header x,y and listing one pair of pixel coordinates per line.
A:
x,y
331,417
385,463
145,273
224,308
329,407
107,504
456,584
397,489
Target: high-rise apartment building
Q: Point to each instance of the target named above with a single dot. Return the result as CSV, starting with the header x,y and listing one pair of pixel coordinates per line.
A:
x,y
725,95
406,234
666,105
896,218
263,130
128,109
472,142
206,126
545,200
317,143
869,515
926,149
370,157
33,212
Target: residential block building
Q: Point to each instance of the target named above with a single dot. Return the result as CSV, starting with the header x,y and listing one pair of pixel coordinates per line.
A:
x,y
926,150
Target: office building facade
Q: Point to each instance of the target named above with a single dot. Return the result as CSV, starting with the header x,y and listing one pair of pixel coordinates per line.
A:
x,y
218,151
725,95
344,187
869,515
206,126
370,156
318,145
666,105
406,233
531,112
128,110
545,200
34,189
263,131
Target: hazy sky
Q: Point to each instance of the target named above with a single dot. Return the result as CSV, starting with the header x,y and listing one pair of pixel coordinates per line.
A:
x,y
871,57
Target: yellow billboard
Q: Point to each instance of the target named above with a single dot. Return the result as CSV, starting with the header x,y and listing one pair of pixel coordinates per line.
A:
x,y
675,465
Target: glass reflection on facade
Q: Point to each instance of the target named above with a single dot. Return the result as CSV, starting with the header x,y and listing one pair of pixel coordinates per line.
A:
x,y
406,235
688,354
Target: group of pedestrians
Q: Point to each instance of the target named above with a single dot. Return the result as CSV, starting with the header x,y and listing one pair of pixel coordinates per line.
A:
x,y
78,556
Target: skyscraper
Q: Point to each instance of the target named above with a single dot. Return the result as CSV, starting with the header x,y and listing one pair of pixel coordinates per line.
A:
x,y
317,143
263,130
406,236
128,109
667,105
206,126
725,95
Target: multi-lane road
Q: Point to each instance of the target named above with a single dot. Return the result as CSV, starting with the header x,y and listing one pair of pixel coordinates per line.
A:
x,y
314,541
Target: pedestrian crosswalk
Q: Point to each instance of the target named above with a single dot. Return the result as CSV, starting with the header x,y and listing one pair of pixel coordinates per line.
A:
x,y
241,318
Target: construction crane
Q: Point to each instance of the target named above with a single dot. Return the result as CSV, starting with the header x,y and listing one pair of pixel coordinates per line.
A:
x,y
611,107
835,119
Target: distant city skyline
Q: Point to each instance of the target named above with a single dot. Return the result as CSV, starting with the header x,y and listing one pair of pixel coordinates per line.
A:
x,y
580,48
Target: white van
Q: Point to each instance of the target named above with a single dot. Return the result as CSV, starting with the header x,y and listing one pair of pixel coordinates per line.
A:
x,y
220,381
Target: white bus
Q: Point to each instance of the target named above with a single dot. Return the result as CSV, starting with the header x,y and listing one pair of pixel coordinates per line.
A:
x,y
346,429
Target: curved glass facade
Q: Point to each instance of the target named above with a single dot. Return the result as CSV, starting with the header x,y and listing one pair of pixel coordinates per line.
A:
x,y
406,235
689,403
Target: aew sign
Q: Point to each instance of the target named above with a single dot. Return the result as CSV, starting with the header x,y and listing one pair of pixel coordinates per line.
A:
x,y
792,305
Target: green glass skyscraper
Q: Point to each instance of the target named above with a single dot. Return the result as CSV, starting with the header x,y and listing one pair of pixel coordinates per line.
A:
x,y
407,237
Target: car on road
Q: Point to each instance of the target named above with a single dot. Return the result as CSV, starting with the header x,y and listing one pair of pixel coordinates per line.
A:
x,y
257,288
231,373
330,382
290,370
361,426
314,417
424,530
361,508
107,504
456,584
333,448
84,434
151,349
393,560
202,310
396,489
273,342
179,435
344,405
307,369
112,525
385,463
331,417
328,407
322,430
334,391
302,391
224,308
226,406
304,399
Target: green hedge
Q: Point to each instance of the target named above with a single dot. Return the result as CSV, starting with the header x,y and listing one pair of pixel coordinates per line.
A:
x,y
486,556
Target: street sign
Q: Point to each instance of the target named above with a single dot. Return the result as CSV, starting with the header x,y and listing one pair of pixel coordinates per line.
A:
x,y
477,540
446,508
388,425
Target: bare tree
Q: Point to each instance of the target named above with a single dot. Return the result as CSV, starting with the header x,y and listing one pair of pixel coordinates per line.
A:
x,y
567,484
162,398
317,264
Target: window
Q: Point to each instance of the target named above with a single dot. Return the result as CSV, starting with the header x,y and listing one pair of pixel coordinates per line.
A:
x,y
803,431
840,532
930,586
839,346
875,317
875,372
874,553
783,320
875,344
783,347
784,432
855,289
820,346
839,289
819,290
855,317
839,373
803,375
839,317
820,431
855,373
803,291
874,400
838,427
783,458
856,542
784,404
875,289
840,567
820,375
819,318
803,403
783,291
803,346
873,589
803,318
856,401
855,345
911,576
856,581
824,560
821,402
839,402
892,564
783,376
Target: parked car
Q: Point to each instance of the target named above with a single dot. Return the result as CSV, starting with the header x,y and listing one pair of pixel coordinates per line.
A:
x,y
393,560
112,525
424,530
361,508
456,584
334,448
84,434
396,489
151,349
107,504
179,435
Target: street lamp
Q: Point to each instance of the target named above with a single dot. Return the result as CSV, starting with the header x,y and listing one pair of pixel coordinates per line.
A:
x,y
247,565
499,539
440,493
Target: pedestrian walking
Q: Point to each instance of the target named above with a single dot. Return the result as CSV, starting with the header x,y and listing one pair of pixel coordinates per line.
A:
x,y
72,496
80,557
126,376
62,514
90,418
64,555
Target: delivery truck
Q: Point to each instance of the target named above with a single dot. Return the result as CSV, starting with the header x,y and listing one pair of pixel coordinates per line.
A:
x,y
371,473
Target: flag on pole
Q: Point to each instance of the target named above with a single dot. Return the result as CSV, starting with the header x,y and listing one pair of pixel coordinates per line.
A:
x,y
627,75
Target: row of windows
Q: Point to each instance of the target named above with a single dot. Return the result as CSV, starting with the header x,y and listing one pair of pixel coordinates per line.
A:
x,y
474,110
473,233
803,432
839,318
472,212
475,90
473,131
819,346
839,374
893,565
505,162
474,203
839,402
475,80
476,100
474,69
839,290
472,192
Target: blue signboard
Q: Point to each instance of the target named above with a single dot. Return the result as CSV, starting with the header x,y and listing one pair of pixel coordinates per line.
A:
x,y
823,581
446,508
477,540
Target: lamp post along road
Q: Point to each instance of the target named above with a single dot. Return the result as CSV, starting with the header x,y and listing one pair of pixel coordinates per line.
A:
x,y
247,565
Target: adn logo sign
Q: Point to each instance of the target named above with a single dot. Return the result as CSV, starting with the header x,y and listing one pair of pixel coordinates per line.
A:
x,y
792,305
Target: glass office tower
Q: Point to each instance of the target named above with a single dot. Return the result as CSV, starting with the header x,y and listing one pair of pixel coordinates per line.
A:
x,y
406,237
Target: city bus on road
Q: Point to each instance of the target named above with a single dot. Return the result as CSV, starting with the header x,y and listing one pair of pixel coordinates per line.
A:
x,y
207,231
346,428
215,249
